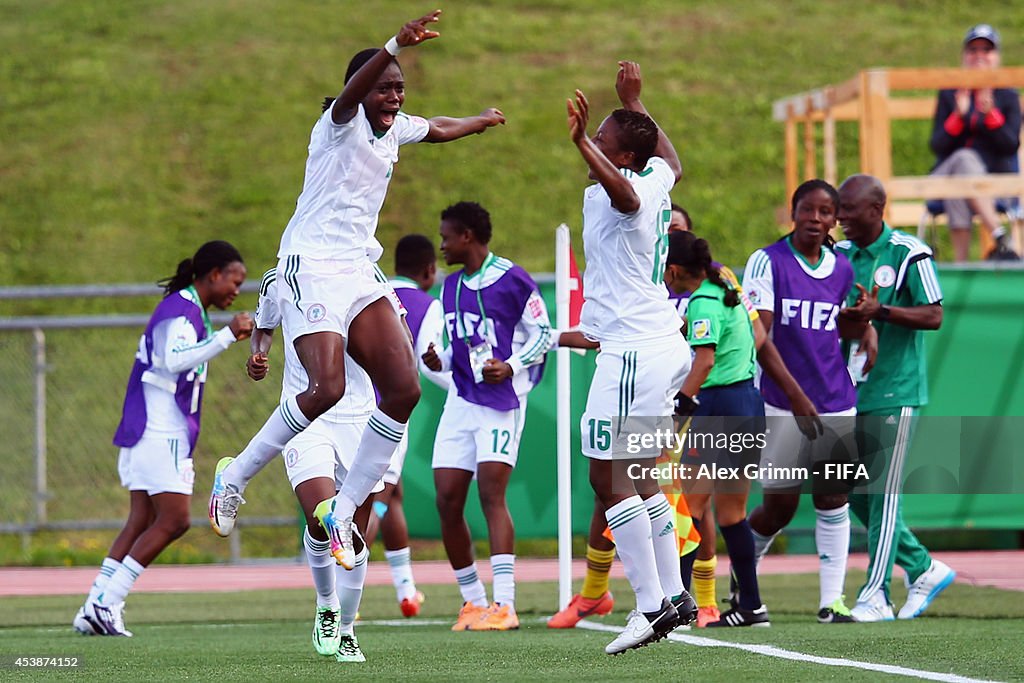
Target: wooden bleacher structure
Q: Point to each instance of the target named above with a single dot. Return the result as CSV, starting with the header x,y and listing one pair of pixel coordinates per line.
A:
x,y
868,99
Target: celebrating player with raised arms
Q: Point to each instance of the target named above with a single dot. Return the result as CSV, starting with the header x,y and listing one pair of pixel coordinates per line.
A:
x,y
331,299
644,357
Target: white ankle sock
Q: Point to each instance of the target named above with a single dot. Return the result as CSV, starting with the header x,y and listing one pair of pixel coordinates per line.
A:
x,y
631,527
503,569
470,585
107,569
121,582
666,546
321,564
401,572
832,537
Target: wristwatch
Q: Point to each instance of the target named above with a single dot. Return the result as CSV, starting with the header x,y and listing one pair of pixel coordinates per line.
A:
x,y
883,313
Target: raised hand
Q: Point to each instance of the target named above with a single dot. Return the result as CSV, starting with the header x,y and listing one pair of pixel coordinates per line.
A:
x,y
579,114
628,83
415,32
492,117
963,101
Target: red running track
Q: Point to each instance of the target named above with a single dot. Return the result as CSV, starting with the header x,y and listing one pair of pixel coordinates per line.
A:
x,y
1000,569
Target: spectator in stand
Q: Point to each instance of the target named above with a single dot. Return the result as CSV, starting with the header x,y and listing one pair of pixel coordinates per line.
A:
x,y
977,132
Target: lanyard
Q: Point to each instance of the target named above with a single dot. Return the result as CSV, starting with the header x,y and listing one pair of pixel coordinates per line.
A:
x,y
206,318
479,300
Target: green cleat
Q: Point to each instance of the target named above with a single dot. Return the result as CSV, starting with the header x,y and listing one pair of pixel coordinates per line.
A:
x,y
339,531
326,636
348,650
836,613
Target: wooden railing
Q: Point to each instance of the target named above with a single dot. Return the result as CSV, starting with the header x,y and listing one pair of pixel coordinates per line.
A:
x,y
867,99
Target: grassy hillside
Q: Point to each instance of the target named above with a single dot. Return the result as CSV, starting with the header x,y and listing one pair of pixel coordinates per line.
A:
x,y
133,130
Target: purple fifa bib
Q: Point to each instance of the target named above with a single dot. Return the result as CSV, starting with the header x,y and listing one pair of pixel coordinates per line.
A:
x,y
805,331
502,302
188,393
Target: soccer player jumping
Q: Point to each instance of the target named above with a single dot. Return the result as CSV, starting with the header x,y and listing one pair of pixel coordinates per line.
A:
x,y
332,301
644,358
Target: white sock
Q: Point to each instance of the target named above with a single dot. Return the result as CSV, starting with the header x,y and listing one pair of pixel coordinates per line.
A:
x,y
321,564
107,569
666,545
379,441
998,232
503,569
280,427
120,583
401,572
350,589
832,536
470,585
761,545
632,530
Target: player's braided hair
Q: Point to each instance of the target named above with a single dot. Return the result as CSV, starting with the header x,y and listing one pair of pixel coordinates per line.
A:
x,y
639,134
807,187
693,255
355,64
211,256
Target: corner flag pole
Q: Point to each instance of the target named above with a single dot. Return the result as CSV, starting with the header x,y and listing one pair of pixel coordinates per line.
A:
x,y
563,433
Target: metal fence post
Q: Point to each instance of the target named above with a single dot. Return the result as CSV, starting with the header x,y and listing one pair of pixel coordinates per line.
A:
x,y
40,410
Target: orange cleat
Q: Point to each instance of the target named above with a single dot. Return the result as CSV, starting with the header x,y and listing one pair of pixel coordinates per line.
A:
x,y
468,615
497,618
411,606
706,615
580,607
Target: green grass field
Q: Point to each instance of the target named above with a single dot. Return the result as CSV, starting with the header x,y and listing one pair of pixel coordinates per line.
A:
x,y
970,631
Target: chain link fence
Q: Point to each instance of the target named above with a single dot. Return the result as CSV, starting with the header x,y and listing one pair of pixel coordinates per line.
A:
x,y
63,386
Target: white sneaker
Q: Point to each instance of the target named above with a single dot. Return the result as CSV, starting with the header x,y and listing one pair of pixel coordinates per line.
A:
x,y
875,609
637,630
106,620
224,501
82,624
927,588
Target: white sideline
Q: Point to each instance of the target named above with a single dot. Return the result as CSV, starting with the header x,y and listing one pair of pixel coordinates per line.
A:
x,y
772,651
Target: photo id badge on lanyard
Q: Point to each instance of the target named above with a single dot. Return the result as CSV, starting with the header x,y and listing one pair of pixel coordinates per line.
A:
x,y
480,353
478,357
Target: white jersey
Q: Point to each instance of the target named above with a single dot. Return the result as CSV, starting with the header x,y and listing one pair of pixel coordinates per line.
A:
x,y
625,299
347,175
359,401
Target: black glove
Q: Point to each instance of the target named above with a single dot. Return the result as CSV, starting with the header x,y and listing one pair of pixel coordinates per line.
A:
x,y
684,405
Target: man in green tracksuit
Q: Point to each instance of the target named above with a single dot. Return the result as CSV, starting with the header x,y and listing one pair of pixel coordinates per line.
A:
x,y
897,289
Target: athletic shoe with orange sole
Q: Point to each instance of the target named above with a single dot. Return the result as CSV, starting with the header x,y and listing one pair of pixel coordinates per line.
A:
x,y
497,618
411,606
579,608
706,615
468,615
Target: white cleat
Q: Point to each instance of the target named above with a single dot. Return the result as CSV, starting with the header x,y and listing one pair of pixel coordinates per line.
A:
x,y
875,609
224,501
106,620
82,624
927,587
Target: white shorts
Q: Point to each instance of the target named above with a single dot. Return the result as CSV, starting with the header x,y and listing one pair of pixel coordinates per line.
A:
x,y
157,464
469,434
324,449
317,295
394,473
631,382
787,447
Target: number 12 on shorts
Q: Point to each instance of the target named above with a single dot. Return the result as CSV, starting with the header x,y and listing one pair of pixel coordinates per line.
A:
x,y
501,437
